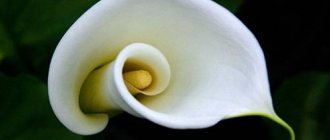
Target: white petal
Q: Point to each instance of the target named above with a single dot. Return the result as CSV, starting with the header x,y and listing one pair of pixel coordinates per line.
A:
x,y
217,67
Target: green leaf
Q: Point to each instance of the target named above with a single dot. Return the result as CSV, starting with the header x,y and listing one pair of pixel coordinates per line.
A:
x,y
26,113
43,20
303,102
231,5
35,27
39,21
6,45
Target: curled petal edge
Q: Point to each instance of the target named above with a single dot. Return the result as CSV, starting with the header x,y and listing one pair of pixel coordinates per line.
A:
x,y
188,25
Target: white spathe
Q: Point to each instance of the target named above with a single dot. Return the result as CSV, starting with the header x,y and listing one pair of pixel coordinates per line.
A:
x,y
217,66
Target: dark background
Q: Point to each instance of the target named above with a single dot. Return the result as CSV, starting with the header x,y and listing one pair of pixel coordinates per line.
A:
x,y
294,36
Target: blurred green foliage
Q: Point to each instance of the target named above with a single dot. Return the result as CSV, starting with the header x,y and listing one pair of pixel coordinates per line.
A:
x,y
31,29
29,32
302,101
6,49
26,113
232,5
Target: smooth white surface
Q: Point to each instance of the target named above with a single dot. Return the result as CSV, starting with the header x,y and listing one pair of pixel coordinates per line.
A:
x,y
217,67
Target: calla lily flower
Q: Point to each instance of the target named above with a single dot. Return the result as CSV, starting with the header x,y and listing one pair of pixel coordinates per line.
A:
x,y
183,64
